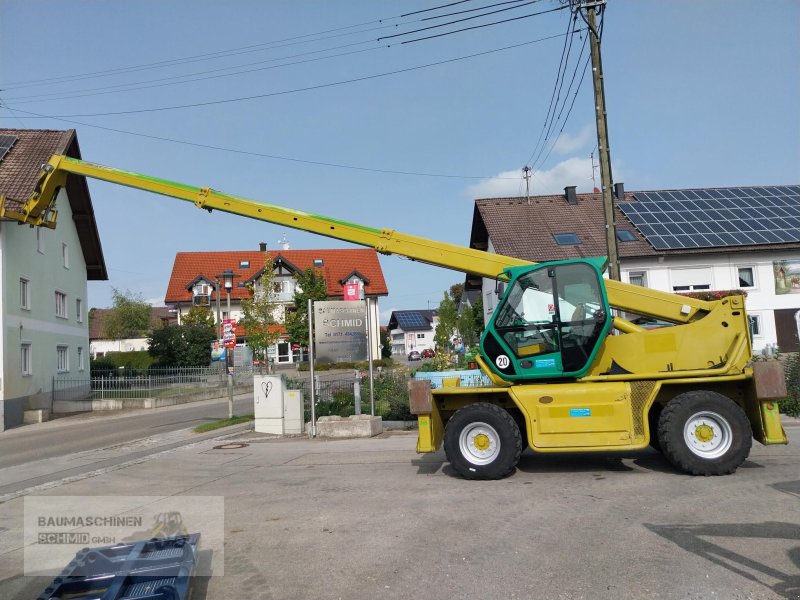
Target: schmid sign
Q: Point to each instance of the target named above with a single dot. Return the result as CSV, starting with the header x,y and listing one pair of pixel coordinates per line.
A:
x,y
340,332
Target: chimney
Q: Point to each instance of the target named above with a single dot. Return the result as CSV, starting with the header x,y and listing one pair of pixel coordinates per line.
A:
x,y
619,191
262,246
569,193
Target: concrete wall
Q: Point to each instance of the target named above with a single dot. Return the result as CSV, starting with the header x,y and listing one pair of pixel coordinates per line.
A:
x,y
42,264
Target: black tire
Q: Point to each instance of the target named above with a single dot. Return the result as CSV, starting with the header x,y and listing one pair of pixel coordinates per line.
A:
x,y
482,441
704,433
652,419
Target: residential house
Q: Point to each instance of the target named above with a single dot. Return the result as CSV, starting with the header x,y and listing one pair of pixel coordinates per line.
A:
x,y
100,345
195,281
672,240
412,330
43,274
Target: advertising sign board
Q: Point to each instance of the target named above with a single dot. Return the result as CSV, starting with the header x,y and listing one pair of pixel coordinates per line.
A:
x,y
340,333
229,333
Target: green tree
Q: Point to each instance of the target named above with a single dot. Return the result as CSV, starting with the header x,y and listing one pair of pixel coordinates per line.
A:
x,y
261,313
309,285
448,321
182,345
199,315
386,342
129,316
470,323
457,292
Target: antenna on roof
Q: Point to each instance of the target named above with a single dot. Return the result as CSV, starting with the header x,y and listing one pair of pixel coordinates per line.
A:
x,y
526,174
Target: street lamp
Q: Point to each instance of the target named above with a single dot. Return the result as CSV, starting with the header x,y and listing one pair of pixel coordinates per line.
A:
x,y
227,278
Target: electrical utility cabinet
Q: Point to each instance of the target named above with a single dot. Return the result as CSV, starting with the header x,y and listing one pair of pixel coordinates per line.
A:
x,y
277,410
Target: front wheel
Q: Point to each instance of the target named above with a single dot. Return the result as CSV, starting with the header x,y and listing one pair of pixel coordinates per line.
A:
x,y
482,441
704,433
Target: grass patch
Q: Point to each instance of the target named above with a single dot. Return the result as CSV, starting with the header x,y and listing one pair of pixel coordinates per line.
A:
x,y
222,423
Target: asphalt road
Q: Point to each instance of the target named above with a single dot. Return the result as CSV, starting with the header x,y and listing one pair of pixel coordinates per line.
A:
x,y
83,432
369,518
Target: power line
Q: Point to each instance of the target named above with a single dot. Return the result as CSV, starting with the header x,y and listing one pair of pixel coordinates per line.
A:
x,y
169,81
193,77
303,89
569,112
424,10
269,45
560,72
493,12
461,12
430,37
197,57
262,154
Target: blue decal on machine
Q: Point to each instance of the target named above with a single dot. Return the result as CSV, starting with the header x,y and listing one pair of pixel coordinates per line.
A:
x,y
580,412
545,363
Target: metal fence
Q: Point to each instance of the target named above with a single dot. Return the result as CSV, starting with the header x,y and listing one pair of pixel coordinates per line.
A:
x,y
153,383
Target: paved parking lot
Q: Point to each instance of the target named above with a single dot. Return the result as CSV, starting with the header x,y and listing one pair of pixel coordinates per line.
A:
x,y
371,519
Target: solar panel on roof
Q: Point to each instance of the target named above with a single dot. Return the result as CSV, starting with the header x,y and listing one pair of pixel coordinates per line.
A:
x,y
706,218
6,142
411,320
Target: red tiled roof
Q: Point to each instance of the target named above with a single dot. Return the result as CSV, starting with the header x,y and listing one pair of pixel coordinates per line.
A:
x,y
19,172
159,315
337,264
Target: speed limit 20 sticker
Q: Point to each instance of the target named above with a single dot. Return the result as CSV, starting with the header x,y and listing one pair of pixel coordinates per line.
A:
x,y
502,361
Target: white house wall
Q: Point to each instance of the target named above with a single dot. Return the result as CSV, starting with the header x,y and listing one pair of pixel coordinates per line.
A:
x,y
761,299
43,266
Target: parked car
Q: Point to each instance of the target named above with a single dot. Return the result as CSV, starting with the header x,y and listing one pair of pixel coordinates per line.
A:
x,y
428,353
414,355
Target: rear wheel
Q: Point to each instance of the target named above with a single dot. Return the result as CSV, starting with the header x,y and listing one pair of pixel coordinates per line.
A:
x,y
704,433
482,441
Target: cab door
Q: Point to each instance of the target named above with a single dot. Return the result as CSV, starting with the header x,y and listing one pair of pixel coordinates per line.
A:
x,y
550,322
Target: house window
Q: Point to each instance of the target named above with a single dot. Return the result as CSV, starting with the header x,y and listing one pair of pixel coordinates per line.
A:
x,y
80,358
61,305
755,325
24,293
688,280
625,235
65,255
62,362
40,240
201,294
318,262
638,278
746,277
420,336
79,309
244,264
25,358
567,239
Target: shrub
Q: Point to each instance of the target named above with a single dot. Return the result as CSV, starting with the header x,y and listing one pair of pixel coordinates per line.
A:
x,y
109,365
791,406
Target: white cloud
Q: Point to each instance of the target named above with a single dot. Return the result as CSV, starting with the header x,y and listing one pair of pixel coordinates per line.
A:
x,y
573,171
566,143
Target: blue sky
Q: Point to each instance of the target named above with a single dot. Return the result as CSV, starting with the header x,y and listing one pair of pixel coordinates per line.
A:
x,y
699,94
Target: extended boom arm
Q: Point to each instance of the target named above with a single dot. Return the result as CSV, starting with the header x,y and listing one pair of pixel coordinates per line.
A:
x,y
39,210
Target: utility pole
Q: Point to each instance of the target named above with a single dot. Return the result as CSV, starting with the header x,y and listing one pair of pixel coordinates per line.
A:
x,y
602,137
